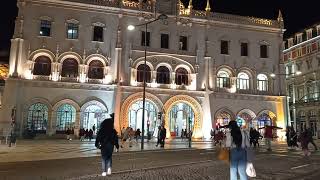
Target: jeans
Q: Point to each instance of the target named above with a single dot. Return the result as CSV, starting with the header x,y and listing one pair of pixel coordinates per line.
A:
x,y
238,164
106,163
268,143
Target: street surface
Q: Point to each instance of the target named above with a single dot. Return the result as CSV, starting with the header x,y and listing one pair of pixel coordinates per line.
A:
x,y
153,164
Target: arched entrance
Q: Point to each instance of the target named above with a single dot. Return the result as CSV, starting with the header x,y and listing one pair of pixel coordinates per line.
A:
x,y
131,112
66,118
265,118
37,118
135,116
181,108
223,117
245,118
92,113
181,116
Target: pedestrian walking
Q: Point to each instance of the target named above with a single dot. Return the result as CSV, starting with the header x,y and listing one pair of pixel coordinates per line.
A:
x,y
137,134
293,138
94,128
86,134
81,134
13,139
182,133
90,134
304,140
125,137
158,136
131,136
68,132
163,133
310,137
237,141
106,139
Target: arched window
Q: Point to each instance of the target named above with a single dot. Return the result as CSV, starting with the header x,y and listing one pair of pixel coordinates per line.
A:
x,y
182,76
163,75
243,81
70,68
42,66
38,118
262,82
96,70
223,79
140,76
66,117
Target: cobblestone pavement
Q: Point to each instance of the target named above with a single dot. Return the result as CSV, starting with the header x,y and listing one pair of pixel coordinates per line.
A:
x,y
166,165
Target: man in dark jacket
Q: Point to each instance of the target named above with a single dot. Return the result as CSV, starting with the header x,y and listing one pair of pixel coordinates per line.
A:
x,y
310,138
163,133
106,139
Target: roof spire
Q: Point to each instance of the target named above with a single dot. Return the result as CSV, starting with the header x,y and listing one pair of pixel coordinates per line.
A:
x,y
208,8
190,4
280,19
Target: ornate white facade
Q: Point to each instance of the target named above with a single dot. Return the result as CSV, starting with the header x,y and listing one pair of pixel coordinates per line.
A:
x,y
74,61
302,59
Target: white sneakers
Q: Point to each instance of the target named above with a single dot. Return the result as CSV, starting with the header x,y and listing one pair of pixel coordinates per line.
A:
x,y
109,171
104,174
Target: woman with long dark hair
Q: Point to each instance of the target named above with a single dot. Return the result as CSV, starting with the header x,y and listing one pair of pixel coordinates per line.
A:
x,y
238,142
106,139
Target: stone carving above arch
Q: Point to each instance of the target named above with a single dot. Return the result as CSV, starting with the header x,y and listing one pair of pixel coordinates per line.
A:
x,y
66,101
94,102
67,55
37,100
42,52
124,122
196,107
248,111
224,109
229,69
99,57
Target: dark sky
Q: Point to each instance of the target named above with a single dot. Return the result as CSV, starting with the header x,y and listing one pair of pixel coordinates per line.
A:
x,y
297,14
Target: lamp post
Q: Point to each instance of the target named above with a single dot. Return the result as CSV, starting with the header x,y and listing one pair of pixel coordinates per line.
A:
x,y
131,28
273,75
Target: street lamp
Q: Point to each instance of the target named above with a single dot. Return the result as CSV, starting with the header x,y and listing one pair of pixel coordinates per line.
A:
x,y
131,28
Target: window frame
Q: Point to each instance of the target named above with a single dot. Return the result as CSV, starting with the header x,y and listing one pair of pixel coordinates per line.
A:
x,y
143,38
74,27
224,47
244,50
262,48
42,25
183,43
164,43
96,39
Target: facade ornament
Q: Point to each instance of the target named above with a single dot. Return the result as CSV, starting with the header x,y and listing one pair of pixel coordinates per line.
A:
x,y
84,54
280,19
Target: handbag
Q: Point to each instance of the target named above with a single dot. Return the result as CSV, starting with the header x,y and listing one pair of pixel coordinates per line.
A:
x,y
251,172
224,155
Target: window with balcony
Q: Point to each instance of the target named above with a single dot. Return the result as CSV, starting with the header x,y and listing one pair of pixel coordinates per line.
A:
x,y
163,75
143,38
42,66
262,82
98,33
244,49
183,43
165,41
140,73
70,68
96,70
182,76
224,49
263,51
72,31
45,28
223,79
243,81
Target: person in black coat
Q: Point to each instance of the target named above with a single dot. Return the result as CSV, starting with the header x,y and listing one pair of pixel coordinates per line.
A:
x,y
163,133
107,138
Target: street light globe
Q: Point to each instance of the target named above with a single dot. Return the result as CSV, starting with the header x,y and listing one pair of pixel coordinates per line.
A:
x,y
298,72
131,27
273,75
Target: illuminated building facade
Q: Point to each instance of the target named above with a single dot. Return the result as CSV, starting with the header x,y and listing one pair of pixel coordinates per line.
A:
x,y
301,55
204,68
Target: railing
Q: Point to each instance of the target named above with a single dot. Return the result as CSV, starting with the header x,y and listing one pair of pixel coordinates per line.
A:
x,y
41,77
95,81
69,79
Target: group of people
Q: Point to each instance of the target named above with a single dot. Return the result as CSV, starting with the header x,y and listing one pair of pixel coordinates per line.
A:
x,y
305,138
185,134
128,134
86,134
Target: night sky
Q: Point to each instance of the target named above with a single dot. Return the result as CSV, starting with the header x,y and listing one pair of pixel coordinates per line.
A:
x,y
297,14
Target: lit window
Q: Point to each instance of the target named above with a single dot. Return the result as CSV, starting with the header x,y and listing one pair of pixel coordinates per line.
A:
x,y
223,79
262,82
243,81
140,73
72,31
45,28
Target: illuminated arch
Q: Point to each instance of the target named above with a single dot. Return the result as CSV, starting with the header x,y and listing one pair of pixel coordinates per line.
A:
x,y
105,61
71,55
124,121
42,52
196,107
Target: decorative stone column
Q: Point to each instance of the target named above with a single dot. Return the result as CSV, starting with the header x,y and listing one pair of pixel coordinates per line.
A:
x,y
77,124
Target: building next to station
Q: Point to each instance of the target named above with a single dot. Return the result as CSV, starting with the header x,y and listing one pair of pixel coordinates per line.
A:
x,y
73,62
302,59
